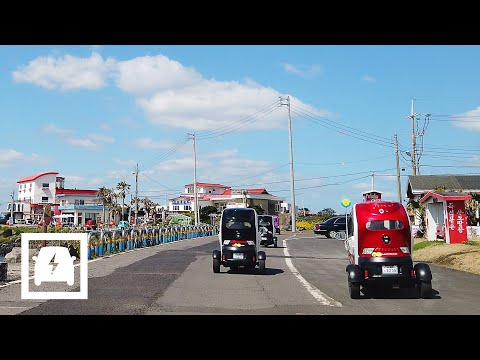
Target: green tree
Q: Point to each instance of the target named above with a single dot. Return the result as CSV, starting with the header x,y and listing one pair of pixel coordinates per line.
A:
x,y
123,187
258,209
104,196
148,206
326,213
205,213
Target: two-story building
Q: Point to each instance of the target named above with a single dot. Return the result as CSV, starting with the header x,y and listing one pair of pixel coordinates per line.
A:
x,y
222,196
70,205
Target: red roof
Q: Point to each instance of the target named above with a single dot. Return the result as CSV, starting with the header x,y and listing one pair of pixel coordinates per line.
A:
x,y
257,191
35,177
209,185
75,192
445,196
249,191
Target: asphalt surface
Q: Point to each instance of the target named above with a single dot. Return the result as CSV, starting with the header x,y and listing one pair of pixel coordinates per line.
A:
x,y
307,277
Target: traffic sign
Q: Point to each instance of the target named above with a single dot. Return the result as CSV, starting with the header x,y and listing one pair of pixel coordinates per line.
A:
x,y
346,203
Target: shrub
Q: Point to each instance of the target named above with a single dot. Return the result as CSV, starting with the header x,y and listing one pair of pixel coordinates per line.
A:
x,y
7,232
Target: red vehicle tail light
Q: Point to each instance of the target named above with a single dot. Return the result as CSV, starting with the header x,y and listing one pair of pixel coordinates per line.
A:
x,y
241,242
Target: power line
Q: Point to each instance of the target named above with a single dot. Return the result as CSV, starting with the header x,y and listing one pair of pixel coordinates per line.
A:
x,y
345,162
338,128
214,134
155,181
258,175
317,178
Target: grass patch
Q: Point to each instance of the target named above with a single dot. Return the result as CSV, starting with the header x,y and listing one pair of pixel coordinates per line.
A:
x,y
425,244
472,242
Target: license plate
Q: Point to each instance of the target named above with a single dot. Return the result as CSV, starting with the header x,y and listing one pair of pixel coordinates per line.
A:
x,y
238,255
390,269
264,238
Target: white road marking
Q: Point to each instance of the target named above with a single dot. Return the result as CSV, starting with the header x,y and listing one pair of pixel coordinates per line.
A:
x,y
324,299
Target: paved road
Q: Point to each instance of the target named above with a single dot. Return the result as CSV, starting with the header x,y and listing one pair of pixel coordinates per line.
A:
x,y
305,277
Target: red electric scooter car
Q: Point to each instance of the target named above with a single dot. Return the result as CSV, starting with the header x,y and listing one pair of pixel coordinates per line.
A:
x,y
379,243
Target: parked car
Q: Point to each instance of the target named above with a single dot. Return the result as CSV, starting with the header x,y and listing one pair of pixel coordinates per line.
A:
x,y
91,224
330,227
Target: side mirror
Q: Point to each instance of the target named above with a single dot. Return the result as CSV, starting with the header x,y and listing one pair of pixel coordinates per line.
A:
x,y
341,235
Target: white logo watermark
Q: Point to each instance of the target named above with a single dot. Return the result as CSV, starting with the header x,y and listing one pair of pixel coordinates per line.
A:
x,y
54,264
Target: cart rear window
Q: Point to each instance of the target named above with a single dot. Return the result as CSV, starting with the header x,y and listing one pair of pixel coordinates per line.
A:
x,y
384,225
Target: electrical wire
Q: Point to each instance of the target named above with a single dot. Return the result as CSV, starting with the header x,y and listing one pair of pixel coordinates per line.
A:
x,y
340,129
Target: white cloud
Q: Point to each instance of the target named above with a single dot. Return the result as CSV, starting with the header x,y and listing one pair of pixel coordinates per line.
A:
x,y
368,78
222,154
305,71
101,138
66,73
170,93
105,126
148,143
147,74
74,181
213,105
53,129
129,123
176,165
10,157
85,143
468,120
124,162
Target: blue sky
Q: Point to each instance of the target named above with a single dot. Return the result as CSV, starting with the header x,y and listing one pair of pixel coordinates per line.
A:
x,y
92,112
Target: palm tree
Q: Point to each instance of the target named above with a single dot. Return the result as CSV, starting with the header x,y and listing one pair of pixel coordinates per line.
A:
x,y
103,194
148,205
123,187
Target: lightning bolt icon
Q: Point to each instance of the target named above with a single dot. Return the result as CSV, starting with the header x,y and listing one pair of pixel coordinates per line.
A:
x,y
54,265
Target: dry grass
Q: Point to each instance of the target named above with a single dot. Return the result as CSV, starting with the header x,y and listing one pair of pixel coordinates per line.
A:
x,y
456,256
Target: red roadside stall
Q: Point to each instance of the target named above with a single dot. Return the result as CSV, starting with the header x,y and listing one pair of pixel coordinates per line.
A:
x,y
446,215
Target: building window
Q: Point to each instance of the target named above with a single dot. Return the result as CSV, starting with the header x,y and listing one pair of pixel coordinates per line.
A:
x,y
79,202
45,185
277,208
62,203
187,207
44,198
176,208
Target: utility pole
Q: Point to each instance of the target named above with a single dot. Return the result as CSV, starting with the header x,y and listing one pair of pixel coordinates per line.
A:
x,y
136,195
130,211
399,185
414,160
292,177
12,220
195,178
373,181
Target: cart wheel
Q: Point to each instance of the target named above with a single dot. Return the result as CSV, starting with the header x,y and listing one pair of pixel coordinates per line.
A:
x,y
216,265
261,266
424,289
354,291
275,244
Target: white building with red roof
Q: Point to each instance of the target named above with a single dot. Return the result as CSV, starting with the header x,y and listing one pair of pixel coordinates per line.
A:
x,y
222,196
73,206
